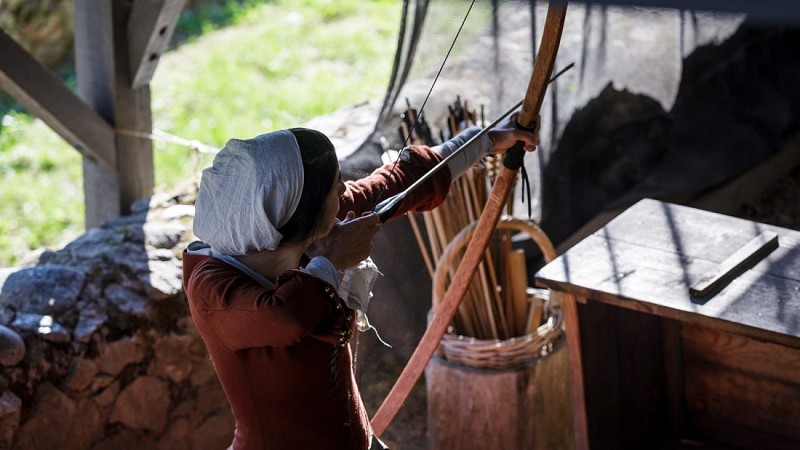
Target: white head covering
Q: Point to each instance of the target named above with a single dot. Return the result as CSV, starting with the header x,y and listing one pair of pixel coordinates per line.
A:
x,y
251,189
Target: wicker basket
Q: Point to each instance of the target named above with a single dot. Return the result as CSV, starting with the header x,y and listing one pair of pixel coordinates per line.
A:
x,y
495,353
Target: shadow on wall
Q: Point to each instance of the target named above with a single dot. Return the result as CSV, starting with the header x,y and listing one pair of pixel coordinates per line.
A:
x,y
737,104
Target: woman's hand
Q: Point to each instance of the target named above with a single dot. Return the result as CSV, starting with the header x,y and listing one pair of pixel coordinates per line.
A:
x,y
506,134
350,241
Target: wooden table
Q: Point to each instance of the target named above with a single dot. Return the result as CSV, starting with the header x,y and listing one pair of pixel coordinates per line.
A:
x,y
654,367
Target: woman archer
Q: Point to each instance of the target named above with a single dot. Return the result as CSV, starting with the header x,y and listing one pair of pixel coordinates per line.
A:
x,y
278,227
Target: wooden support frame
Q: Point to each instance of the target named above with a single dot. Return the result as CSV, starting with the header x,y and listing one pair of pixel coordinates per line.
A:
x,y
114,44
101,63
43,95
149,30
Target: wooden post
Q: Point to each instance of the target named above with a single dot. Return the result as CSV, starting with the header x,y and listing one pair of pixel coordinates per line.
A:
x,y
102,68
576,389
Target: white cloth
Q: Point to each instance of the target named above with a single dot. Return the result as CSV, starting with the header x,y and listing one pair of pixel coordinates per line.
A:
x,y
355,288
251,189
322,268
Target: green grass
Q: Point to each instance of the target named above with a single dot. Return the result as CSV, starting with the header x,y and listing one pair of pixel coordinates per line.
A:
x,y
242,68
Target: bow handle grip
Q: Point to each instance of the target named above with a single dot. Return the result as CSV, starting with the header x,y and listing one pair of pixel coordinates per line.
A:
x,y
515,156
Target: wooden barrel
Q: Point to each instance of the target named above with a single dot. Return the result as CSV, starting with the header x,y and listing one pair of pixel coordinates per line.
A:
x,y
485,409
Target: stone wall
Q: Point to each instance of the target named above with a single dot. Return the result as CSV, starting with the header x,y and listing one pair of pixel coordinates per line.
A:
x,y
97,347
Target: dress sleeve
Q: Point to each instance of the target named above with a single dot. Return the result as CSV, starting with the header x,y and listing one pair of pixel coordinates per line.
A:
x,y
362,195
244,314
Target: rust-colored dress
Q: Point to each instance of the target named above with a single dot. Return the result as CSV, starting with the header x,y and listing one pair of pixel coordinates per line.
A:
x,y
282,354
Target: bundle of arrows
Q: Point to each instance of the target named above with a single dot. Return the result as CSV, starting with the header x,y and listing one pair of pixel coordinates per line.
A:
x,y
498,304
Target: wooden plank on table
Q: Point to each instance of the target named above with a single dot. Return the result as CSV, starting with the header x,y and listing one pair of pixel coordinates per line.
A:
x,y
758,303
690,232
648,257
149,31
45,96
732,266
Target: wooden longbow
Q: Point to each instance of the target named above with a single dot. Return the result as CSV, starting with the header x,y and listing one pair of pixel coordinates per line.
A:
x,y
512,162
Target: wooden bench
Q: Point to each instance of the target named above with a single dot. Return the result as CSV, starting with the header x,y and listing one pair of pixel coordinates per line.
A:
x,y
652,366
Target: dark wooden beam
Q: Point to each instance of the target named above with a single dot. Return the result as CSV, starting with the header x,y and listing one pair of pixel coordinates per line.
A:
x,y
133,112
149,29
101,63
94,67
45,96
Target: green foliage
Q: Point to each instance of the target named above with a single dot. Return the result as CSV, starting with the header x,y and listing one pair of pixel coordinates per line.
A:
x,y
41,200
243,67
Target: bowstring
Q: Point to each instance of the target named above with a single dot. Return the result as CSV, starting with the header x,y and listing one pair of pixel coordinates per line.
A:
x,y
422,108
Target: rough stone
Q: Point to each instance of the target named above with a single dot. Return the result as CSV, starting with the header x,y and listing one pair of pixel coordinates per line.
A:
x,y
109,394
6,315
47,289
126,301
141,206
42,326
115,355
210,401
88,424
215,432
135,220
10,411
156,273
163,235
52,421
177,437
202,373
163,280
143,405
126,440
44,361
80,375
176,212
12,347
90,319
173,357
184,409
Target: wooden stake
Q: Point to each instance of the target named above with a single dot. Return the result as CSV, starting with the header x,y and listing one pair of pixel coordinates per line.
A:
x,y
423,249
535,314
518,284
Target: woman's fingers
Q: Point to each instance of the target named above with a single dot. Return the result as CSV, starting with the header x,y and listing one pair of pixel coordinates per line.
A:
x,y
506,135
351,240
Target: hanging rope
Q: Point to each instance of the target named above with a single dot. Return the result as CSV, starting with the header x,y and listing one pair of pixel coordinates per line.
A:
x,y
163,136
427,96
